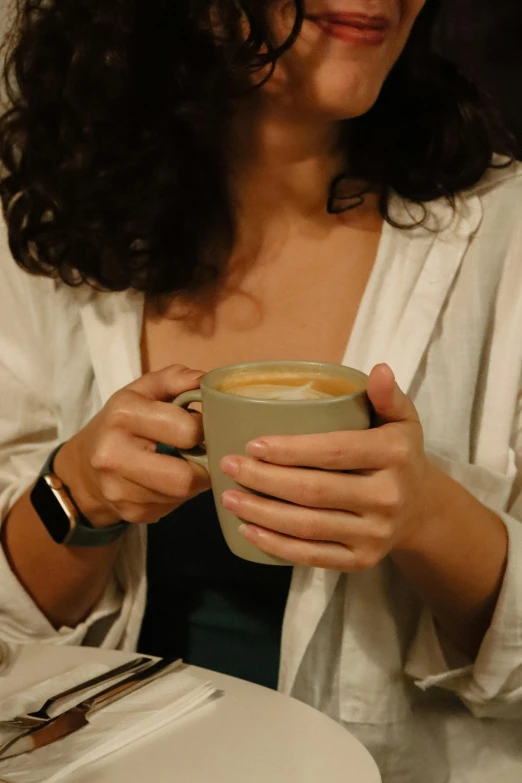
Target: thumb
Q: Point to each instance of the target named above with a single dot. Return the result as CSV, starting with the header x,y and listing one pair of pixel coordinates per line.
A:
x,y
389,402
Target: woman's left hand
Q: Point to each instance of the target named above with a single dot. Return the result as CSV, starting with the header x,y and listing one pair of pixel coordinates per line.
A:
x,y
341,500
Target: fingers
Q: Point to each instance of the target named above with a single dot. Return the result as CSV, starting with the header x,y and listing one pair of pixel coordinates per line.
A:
x,y
365,450
157,422
166,384
134,503
389,401
291,520
162,474
178,478
320,538
316,489
299,552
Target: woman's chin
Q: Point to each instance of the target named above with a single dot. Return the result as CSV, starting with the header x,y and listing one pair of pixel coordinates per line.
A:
x,y
344,106
343,96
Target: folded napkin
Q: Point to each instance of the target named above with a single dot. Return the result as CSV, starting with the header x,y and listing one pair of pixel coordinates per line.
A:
x,y
132,717
33,698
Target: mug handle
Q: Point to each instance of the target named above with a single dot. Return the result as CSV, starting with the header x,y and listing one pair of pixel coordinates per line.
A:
x,y
197,455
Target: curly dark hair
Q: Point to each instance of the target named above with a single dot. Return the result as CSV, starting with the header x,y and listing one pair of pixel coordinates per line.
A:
x,y
113,141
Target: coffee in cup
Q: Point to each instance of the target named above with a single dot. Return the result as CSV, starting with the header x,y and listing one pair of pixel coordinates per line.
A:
x,y
288,386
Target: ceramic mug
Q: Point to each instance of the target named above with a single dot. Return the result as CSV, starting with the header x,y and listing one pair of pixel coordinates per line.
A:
x,y
231,421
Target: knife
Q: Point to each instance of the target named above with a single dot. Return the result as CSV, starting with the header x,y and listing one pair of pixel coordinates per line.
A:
x,y
40,717
77,717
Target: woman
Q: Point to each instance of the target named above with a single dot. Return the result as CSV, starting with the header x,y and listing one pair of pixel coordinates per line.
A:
x,y
200,183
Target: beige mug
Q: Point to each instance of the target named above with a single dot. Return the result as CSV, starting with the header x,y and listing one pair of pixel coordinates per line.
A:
x,y
231,421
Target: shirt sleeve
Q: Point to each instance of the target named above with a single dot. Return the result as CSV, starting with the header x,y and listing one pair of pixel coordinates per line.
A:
x,y
28,433
491,685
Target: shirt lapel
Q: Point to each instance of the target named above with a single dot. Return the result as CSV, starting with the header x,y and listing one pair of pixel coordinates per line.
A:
x,y
411,279
419,318
112,324
410,283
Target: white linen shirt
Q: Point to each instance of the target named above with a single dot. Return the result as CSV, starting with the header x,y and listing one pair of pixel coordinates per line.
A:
x,y
443,307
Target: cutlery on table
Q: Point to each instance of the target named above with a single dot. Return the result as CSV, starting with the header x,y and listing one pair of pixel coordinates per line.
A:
x,y
77,717
38,717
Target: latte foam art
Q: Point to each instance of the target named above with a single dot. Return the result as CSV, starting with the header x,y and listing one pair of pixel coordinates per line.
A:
x,y
278,391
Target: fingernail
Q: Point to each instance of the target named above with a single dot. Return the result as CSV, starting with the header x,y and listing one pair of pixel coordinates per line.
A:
x,y
257,448
250,532
230,466
230,500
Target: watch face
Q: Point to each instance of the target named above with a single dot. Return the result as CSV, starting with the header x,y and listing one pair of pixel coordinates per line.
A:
x,y
50,511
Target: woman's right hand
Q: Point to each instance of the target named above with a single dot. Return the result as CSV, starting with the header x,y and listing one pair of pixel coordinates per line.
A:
x,y
111,466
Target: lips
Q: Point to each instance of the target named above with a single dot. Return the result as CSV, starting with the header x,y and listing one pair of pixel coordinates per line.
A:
x,y
352,27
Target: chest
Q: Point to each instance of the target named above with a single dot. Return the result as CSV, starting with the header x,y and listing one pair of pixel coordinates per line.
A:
x,y
416,314
298,301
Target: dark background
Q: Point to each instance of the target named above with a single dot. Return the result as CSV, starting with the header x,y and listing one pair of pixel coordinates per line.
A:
x,y
484,37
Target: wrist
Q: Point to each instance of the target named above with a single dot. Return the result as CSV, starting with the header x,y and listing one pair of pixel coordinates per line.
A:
x,y
68,468
437,497
456,559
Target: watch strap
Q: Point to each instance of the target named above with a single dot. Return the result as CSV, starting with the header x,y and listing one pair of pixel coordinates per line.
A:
x,y
48,466
84,534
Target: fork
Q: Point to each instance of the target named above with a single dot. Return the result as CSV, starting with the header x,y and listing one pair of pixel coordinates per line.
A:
x,y
41,716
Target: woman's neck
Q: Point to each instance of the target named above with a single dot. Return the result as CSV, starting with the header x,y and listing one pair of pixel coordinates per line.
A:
x,y
282,164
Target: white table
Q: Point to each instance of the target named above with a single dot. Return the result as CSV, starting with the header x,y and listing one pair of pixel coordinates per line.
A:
x,y
251,735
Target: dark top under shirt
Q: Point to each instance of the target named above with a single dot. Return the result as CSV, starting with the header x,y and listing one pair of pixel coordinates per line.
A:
x,y
208,606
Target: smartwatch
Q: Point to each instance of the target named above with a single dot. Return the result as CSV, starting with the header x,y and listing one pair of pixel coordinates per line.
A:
x,y
61,516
